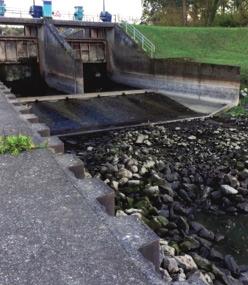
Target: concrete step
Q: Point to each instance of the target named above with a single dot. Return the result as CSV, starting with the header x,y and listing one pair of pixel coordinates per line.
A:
x,y
72,163
136,236
138,240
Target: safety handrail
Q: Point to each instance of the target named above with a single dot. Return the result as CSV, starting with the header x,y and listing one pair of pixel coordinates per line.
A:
x,y
139,38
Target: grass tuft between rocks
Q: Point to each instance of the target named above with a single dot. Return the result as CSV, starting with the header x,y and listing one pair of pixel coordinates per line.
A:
x,y
16,144
241,110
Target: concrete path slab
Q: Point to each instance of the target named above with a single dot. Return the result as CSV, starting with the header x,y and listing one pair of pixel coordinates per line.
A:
x,y
49,233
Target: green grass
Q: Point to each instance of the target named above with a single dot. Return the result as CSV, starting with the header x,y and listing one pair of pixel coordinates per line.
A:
x,y
240,110
211,45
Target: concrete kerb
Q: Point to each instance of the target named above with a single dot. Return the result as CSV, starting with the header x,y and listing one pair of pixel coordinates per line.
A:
x,y
139,241
24,112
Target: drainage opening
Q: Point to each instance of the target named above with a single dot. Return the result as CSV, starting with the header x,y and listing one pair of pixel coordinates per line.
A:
x,y
96,79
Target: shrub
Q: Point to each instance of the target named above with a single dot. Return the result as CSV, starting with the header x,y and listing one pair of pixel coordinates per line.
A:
x,y
14,145
231,20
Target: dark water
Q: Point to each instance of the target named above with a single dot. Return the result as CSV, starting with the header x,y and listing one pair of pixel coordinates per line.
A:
x,y
95,80
30,86
235,230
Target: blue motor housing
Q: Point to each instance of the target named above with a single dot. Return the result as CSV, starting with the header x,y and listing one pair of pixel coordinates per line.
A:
x,y
47,9
2,8
79,13
36,11
106,16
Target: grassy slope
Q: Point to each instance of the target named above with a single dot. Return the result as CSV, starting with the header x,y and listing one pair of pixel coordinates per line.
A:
x,y
211,45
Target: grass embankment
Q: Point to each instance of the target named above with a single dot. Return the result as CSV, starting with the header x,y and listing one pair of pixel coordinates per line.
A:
x,y
211,45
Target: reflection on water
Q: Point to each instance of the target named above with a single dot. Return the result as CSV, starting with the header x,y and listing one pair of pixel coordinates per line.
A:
x,y
235,230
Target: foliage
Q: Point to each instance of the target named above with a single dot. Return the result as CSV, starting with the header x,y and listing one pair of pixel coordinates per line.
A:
x,y
211,45
232,20
11,31
241,110
14,145
195,12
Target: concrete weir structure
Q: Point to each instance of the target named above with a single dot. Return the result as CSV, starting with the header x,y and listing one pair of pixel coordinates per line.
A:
x,y
58,227
67,51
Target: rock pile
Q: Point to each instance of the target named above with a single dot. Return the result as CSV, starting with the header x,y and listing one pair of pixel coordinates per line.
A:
x,y
166,175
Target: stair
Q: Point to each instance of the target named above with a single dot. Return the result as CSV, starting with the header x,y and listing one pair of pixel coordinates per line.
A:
x,y
139,38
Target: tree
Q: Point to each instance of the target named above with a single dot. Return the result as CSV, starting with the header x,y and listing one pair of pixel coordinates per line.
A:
x,y
185,12
194,12
172,12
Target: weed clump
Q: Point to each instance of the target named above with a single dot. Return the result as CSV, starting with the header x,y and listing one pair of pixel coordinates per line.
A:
x,y
15,144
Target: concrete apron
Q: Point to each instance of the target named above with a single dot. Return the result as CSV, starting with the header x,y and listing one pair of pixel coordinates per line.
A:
x,y
74,117
102,130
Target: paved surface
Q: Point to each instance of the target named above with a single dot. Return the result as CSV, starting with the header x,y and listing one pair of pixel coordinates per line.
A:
x,y
74,116
54,231
49,234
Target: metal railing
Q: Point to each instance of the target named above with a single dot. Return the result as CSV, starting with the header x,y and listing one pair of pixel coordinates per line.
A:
x,y
139,38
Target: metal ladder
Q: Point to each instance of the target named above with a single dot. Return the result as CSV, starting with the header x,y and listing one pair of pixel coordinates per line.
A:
x,y
139,38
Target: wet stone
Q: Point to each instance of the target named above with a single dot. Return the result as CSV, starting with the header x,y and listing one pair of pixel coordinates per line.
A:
x,y
166,175
186,262
228,190
170,264
232,265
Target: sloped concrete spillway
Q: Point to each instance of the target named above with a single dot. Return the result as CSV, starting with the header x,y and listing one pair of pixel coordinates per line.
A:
x,y
66,117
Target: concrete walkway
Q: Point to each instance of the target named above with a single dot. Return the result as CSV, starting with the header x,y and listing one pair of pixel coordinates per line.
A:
x,y
56,229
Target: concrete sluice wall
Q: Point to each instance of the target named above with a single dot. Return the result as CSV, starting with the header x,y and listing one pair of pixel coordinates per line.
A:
x,y
200,86
59,67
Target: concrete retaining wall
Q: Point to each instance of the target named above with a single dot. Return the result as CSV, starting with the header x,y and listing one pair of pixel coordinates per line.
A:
x,y
58,64
175,78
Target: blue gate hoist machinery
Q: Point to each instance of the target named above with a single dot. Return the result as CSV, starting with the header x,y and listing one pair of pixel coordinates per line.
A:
x,y
78,13
2,8
44,11
104,15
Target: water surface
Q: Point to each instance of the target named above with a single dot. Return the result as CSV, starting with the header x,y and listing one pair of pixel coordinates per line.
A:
x,y
235,230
